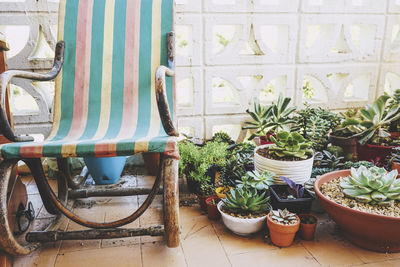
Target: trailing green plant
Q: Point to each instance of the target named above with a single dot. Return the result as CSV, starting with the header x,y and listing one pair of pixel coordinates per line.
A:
x,y
284,217
222,137
314,124
376,120
270,119
195,161
350,124
290,146
374,185
256,180
245,201
350,164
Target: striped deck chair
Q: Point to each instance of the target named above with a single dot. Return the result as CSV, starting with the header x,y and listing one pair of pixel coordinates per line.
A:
x,y
112,98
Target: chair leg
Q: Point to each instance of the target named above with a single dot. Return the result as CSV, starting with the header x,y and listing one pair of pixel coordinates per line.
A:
x,y
171,200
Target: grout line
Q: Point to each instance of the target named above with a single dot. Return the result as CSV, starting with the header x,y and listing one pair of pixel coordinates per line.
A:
x,y
184,254
219,240
309,252
141,253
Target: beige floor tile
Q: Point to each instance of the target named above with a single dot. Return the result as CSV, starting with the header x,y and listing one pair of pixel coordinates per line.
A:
x,y
370,256
387,263
234,244
285,257
158,254
202,248
106,257
44,257
145,180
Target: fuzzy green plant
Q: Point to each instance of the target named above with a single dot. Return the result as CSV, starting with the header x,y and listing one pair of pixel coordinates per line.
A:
x,y
283,216
290,146
245,201
256,180
374,185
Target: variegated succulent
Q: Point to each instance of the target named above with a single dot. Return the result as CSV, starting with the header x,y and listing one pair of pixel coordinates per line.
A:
x,y
374,185
283,216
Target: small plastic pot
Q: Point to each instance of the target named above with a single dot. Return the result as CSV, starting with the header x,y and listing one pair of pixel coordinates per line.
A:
x,y
396,166
307,231
282,235
212,210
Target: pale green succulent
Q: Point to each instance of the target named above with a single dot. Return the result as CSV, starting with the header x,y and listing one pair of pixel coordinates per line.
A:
x,y
283,216
290,145
245,201
374,185
254,179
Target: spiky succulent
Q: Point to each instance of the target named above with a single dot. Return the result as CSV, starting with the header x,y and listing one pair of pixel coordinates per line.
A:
x,y
245,201
290,145
374,185
283,216
256,180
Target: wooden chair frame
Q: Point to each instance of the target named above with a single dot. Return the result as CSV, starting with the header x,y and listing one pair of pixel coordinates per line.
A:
x,y
69,187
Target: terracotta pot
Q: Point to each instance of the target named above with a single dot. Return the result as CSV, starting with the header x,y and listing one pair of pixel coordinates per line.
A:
x,y
370,231
370,152
202,202
151,161
349,146
212,210
282,235
395,135
307,231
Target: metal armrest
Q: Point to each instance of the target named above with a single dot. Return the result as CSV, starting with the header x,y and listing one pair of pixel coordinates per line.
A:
x,y
5,78
162,101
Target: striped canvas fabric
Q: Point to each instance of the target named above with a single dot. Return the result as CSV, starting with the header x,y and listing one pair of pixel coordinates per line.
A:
x,y
105,103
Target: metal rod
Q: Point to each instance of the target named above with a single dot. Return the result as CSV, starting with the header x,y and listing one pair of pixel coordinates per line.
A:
x,y
93,192
51,236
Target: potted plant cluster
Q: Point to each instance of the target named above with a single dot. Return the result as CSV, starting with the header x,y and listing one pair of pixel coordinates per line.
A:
x,y
290,156
364,202
244,210
283,226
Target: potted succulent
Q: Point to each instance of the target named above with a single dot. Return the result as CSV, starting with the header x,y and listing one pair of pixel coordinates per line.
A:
x,y
364,202
375,141
244,210
267,120
308,224
290,156
395,124
212,210
207,190
283,226
254,179
342,135
292,196
314,124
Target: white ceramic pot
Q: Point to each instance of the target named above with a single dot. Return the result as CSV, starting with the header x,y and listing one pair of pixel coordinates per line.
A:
x,y
241,226
298,171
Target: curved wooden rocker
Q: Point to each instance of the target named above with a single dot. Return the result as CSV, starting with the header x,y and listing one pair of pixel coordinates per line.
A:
x,y
110,72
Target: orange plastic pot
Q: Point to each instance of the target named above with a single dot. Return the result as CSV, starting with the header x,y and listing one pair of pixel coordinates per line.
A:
x,y
282,235
396,166
212,210
307,231
370,231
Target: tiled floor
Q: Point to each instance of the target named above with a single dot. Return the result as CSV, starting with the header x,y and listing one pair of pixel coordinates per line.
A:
x,y
204,243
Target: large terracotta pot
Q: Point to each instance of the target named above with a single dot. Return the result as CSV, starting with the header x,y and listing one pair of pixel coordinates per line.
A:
x,y
282,235
369,231
349,146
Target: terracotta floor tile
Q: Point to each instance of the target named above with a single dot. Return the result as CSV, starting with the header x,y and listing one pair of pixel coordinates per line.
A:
x,y
159,254
292,256
106,257
202,248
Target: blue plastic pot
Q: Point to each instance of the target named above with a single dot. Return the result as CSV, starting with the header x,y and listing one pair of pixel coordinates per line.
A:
x,y
105,170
